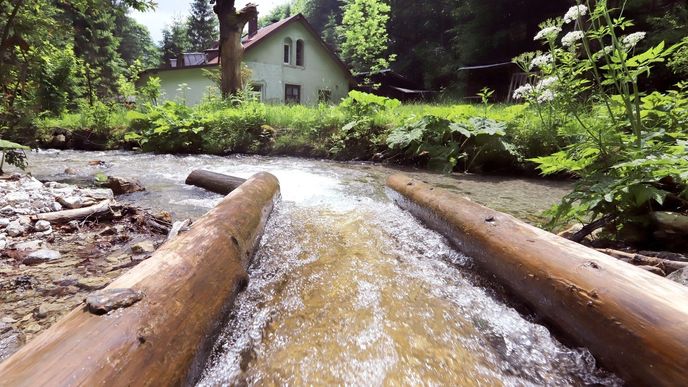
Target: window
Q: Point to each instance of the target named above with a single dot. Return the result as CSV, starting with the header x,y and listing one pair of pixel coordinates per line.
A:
x,y
299,52
287,51
292,94
324,96
257,90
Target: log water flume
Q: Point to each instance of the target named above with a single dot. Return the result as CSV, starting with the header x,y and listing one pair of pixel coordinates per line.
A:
x,y
347,288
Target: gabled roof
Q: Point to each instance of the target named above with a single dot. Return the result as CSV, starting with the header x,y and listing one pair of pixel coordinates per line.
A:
x,y
266,32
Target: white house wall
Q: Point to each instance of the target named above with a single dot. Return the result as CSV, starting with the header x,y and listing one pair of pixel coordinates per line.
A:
x,y
320,71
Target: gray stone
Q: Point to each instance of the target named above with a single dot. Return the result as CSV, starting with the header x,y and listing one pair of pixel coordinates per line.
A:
x,y
121,186
32,184
42,225
10,341
71,202
93,283
45,310
145,247
104,301
671,221
680,276
7,210
30,245
3,244
98,193
17,197
56,206
15,229
4,222
42,256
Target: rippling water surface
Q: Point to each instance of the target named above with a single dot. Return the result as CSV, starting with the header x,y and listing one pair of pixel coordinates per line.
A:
x,y
346,288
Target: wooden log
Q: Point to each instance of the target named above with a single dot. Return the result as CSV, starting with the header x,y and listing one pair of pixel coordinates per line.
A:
x,y
214,182
188,287
75,214
633,321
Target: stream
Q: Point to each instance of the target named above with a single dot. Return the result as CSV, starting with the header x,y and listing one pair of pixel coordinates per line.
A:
x,y
347,288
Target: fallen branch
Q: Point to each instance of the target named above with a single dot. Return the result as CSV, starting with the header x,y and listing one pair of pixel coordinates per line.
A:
x,y
75,214
589,229
642,260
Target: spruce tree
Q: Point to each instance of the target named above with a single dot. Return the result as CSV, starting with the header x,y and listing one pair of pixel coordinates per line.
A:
x,y
202,26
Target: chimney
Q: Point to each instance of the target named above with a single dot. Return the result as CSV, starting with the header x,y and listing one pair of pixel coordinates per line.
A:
x,y
252,23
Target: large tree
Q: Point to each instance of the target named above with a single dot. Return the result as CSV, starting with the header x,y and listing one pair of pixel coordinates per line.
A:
x,y
231,51
175,40
202,25
365,40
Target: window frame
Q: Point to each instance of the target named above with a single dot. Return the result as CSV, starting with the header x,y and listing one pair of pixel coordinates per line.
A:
x,y
300,52
287,54
289,98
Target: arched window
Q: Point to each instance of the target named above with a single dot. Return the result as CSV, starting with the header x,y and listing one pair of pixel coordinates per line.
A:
x,y
287,51
299,52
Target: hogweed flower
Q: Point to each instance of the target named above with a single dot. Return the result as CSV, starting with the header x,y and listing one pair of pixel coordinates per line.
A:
x,y
546,96
541,61
574,13
548,33
630,41
546,83
523,92
571,38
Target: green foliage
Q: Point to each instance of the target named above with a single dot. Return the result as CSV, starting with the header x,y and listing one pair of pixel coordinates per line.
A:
x,y
631,159
441,144
679,60
175,41
365,40
13,153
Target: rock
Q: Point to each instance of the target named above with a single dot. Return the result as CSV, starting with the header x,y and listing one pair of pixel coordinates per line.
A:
x,y
4,222
56,185
73,225
59,141
7,210
121,186
30,245
104,301
33,328
145,247
680,276
3,244
71,202
45,309
15,229
10,341
56,206
71,171
93,283
42,225
98,193
672,221
17,197
41,256
119,258
31,183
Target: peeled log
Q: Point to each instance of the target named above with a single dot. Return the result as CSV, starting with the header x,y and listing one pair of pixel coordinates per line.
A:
x,y
214,182
635,322
188,286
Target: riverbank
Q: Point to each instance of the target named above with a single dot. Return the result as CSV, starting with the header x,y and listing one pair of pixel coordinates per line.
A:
x,y
48,267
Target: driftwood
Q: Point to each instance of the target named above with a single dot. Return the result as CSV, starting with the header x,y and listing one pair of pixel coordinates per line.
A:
x,y
642,260
214,182
634,322
75,214
188,286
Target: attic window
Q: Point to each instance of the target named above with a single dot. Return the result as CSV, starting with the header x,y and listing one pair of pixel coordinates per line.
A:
x,y
287,51
299,52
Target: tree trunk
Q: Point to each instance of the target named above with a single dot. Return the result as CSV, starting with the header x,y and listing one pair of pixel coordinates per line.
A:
x,y
634,322
188,286
231,50
214,182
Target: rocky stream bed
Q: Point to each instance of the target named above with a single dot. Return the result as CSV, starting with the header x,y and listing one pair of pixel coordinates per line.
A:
x,y
48,268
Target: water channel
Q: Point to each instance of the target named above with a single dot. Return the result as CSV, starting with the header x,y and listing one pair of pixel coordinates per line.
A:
x,y
346,288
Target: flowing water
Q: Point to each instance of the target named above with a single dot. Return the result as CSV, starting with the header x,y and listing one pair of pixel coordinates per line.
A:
x,y
346,288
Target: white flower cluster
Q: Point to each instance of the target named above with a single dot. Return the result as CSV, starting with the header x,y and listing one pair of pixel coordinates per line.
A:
x,y
524,91
630,41
541,61
542,92
574,13
571,38
548,33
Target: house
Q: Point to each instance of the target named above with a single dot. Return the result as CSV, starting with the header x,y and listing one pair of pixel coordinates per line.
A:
x,y
388,83
289,63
